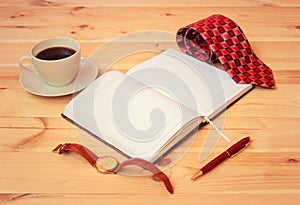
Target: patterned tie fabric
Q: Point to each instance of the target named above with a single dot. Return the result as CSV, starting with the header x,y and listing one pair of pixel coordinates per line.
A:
x,y
219,38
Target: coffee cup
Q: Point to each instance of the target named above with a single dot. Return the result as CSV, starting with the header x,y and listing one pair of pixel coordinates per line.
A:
x,y
55,60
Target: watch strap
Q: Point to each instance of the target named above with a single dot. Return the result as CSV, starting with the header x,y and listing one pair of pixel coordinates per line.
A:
x,y
101,163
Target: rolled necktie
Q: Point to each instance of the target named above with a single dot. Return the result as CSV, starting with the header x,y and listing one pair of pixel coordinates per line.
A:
x,y
219,38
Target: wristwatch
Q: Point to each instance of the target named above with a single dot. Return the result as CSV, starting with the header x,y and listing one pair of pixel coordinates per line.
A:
x,y
110,165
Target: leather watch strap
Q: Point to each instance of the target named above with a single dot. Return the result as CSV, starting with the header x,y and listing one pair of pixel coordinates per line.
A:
x,y
79,149
108,164
157,173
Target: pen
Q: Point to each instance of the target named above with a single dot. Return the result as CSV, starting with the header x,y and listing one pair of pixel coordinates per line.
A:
x,y
230,152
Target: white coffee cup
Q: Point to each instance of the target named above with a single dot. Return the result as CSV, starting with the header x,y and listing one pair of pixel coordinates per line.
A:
x,y
58,72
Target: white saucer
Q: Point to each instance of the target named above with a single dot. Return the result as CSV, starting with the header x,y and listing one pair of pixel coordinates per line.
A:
x,y
34,84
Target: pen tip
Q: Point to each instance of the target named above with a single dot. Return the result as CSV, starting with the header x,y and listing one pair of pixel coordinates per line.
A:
x,y
197,175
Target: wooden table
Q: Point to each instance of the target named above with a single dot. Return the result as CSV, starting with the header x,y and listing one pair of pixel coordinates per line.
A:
x,y
268,172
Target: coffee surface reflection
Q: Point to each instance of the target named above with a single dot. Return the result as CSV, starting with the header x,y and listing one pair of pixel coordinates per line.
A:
x,y
55,53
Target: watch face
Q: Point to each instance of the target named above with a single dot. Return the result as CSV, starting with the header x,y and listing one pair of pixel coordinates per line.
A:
x,y
106,164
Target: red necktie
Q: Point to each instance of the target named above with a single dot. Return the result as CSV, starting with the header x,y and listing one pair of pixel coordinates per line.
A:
x,y
219,38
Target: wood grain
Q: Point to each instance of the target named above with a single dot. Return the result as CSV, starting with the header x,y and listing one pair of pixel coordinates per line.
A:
x,y
89,23
115,3
267,172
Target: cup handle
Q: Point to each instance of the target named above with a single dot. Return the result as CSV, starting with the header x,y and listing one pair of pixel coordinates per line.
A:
x,y
23,58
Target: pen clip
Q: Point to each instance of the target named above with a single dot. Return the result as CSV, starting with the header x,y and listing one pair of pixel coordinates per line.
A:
x,y
246,145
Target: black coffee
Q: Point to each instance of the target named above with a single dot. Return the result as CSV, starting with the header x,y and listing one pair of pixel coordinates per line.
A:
x,y
55,53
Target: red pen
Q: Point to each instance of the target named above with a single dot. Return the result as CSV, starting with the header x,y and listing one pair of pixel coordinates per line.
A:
x,y
230,152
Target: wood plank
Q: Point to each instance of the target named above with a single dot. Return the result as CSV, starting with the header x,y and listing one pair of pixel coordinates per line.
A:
x,y
43,134
89,23
271,103
25,102
11,122
36,141
204,3
53,107
231,122
279,55
205,198
249,171
44,139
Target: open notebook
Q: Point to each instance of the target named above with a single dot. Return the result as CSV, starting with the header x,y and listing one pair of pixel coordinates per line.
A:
x,y
156,104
